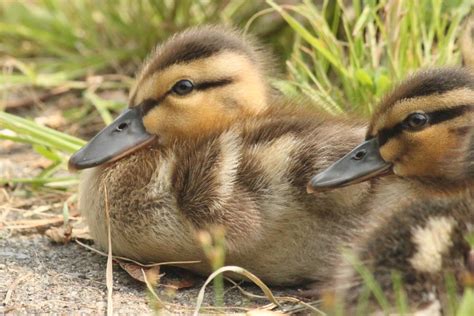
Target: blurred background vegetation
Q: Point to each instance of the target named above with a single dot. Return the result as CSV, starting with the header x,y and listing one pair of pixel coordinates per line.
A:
x,y
67,65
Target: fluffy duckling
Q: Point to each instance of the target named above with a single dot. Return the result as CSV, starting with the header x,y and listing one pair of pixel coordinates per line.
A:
x,y
205,142
421,141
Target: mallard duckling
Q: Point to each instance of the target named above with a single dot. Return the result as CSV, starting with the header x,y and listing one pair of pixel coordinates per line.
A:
x,y
205,142
421,139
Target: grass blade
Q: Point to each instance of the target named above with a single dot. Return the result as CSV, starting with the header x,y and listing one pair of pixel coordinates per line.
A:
x,y
240,271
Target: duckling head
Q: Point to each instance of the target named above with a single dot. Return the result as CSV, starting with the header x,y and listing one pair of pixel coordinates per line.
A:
x,y
196,83
424,129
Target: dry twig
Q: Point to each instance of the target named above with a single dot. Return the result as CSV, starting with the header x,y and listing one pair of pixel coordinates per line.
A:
x,y
109,270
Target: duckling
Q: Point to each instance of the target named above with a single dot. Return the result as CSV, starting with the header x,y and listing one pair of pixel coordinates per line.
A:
x,y
206,142
420,143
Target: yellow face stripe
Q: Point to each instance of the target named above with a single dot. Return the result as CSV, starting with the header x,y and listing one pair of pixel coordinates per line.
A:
x,y
216,67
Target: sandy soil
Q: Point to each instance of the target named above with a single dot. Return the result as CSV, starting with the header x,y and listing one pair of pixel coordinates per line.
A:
x,y
40,277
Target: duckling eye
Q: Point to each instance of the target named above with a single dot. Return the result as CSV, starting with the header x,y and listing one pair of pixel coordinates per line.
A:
x,y
416,121
183,87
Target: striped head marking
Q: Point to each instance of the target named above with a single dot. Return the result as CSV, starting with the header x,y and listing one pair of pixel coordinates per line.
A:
x,y
425,127
200,80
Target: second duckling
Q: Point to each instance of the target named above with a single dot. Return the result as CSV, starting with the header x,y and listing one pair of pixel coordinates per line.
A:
x,y
421,141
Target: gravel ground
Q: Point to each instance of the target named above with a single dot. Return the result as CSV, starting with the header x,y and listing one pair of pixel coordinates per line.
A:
x,y
38,276
41,277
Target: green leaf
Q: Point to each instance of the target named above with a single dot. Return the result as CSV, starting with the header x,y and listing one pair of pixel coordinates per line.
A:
x,y
382,84
363,77
45,152
466,307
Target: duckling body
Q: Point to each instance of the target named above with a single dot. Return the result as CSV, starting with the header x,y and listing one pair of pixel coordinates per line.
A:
x,y
240,160
422,242
419,216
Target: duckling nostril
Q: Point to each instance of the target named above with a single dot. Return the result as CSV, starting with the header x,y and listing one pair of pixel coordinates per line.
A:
x,y
359,155
121,127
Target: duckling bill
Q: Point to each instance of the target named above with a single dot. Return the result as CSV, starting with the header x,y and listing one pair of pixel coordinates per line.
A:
x,y
123,136
362,163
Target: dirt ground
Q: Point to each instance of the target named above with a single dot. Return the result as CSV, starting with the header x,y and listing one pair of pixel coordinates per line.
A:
x,y
40,276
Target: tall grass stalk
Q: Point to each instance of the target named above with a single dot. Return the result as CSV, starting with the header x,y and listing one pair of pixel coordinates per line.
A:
x,y
213,244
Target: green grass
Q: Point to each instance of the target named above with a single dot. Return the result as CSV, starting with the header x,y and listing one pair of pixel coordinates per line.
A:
x,y
347,58
60,39
372,296
213,245
49,143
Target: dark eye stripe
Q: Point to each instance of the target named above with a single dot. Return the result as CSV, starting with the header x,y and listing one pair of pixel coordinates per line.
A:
x,y
386,134
149,104
212,84
435,117
449,114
